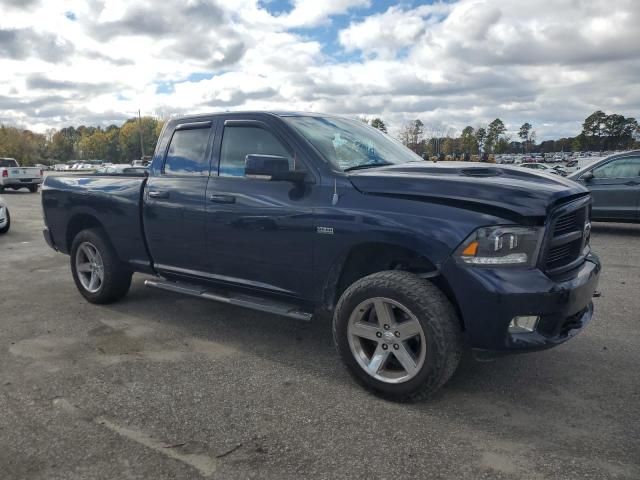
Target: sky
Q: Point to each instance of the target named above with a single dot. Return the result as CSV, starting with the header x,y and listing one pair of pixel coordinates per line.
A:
x,y
451,64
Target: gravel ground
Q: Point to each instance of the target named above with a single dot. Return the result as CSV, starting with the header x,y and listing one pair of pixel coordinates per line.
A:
x,y
164,386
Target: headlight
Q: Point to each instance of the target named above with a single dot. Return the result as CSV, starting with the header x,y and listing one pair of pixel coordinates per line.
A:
x,y
501,245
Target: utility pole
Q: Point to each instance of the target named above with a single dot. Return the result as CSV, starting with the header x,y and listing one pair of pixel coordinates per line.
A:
x,y
140,130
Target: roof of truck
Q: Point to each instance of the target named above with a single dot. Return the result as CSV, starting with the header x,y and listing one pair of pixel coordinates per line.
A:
x,y
276,113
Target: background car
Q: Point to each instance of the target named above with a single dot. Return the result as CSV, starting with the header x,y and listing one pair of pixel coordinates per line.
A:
x,y
560,170
535,166
614,183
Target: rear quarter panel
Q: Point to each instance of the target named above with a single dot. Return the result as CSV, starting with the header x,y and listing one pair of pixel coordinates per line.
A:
x,y
113,201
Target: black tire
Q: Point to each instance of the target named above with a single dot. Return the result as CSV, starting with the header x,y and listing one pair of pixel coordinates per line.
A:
x,y
33,188
5,229
436,316
116,277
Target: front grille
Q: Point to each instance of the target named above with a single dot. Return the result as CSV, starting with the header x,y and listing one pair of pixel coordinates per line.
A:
x,y
557,254
567,239
566,223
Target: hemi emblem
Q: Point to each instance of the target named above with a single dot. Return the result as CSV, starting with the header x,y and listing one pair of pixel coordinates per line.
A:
x,y
325,230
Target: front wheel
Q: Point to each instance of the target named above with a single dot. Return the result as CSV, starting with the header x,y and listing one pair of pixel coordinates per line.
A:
x,y
33,188
398,335
97,271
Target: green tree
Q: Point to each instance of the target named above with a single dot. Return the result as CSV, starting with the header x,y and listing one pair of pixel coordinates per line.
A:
x,y
481,137
496,130
593,128
525,131
379,124
412,135
130,138
502,144
469,140
63,144
449,146
94,145
24,145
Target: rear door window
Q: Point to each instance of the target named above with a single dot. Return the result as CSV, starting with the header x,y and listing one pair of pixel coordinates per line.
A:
x,y
187,154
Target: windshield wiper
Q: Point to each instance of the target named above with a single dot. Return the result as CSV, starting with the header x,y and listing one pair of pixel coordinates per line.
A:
x,y
367,165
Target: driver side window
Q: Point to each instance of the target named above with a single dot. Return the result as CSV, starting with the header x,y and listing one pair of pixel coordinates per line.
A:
x,y
622,168
239,141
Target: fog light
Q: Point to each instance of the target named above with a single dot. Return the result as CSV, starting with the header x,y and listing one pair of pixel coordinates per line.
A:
x,y
523,324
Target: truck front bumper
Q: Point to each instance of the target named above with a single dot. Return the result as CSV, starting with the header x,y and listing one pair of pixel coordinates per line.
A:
x,y
490,298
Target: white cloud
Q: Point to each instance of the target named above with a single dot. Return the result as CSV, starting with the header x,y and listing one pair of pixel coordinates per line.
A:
x,y
547,62
385,33
310,13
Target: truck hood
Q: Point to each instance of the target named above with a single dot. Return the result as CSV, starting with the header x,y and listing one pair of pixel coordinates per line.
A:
x,y
480,186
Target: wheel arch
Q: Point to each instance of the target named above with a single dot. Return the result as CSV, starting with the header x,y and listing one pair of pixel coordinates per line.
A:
x,y
371,257
78,223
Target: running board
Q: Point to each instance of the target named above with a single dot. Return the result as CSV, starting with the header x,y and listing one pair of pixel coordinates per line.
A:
x,y
247,301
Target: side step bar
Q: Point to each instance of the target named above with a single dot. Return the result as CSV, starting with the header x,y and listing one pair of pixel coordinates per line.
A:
x,y
247,301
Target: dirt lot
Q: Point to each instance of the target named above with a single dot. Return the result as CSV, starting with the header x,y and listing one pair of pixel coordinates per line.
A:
x,y
163,386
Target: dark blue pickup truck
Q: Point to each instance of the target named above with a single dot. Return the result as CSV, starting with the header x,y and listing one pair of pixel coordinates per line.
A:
x,y
296,214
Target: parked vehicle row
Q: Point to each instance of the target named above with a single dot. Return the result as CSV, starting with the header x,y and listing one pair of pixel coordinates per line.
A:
x,y
295,214
556,169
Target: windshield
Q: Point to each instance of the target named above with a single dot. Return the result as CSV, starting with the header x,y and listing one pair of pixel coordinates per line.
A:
x,y
351,144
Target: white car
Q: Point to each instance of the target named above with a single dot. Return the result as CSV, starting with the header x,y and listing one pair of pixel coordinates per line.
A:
x,y
5,219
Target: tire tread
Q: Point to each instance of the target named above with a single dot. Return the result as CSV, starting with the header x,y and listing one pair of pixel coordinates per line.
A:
x,y
432,303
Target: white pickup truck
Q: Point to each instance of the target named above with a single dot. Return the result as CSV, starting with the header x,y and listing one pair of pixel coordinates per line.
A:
x,y
13,176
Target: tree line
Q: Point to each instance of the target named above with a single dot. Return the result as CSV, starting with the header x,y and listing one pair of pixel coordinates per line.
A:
x,y
114,143
111,144
600,132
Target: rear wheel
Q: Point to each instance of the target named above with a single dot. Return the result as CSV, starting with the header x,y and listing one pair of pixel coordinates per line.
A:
x,y
33,188
398,335
98,273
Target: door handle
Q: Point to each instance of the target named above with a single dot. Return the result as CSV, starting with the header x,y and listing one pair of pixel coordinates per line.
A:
x,y
222,198
158,194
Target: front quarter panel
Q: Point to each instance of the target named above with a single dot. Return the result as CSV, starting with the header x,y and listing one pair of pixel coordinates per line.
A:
x,y
431,230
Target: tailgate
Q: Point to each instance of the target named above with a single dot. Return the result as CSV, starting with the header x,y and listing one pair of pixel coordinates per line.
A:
x,y
24,173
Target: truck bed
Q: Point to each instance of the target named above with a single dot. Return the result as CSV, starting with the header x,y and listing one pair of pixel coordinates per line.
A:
x,y
69,200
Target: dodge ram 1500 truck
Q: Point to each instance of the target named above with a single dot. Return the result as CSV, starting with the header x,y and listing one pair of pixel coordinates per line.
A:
x,y
297,214
13,176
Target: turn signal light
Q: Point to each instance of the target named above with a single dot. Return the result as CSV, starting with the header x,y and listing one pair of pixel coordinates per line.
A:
x,y
471,250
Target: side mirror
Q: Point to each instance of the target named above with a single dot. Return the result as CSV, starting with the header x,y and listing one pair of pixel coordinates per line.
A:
x,y
270,167
587,176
